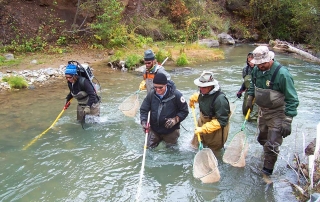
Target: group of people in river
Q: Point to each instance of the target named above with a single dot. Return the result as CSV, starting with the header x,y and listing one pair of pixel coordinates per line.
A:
x,y
267,84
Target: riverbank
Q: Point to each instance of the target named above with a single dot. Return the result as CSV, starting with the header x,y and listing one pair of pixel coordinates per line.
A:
x,y
41,68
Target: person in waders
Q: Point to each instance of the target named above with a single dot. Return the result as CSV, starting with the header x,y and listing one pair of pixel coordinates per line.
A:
x,y
273,88
246,75
152,68
213,124
83,91
168,109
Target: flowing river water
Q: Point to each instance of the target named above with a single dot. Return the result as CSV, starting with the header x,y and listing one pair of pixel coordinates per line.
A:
x,y
103,162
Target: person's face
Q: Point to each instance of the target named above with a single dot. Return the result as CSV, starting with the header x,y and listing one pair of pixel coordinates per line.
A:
x,y
205,90
149,64
265,66
159,88
70,78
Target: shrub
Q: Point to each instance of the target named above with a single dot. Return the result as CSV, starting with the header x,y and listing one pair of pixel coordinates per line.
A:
x,y
182,60
17,82
133,61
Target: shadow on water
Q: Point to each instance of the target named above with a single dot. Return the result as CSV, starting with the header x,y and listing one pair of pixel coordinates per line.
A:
x,y
103,162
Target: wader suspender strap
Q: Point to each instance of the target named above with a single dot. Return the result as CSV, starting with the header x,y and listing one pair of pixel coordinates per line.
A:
x,y
274,76
211,107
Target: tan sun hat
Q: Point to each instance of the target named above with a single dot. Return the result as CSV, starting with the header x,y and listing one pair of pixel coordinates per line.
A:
x,y
206,79
261,55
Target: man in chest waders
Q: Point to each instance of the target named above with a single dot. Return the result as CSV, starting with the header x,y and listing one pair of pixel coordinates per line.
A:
x,y
152,68
83,91
273,88
213,123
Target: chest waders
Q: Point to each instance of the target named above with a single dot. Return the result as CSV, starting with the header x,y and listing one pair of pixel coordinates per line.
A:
x,y
271,105
268,98
207,113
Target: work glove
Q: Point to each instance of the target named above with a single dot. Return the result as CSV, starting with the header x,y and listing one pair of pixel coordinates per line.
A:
x,y
86,110
198,130
193,99
286,126
144,126
142,85
170,122
67,104
249,102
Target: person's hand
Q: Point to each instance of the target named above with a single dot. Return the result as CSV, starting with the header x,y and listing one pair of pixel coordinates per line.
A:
x,y
67,104
249,102
239,94
198,130
86,110
142,85
170,122
144,126
286,126
193,99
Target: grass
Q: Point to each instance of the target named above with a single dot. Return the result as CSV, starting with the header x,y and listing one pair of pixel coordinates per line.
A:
x,y
16,82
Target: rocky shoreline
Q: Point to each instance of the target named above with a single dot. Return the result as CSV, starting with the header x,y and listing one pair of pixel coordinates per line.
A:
x,y
33,77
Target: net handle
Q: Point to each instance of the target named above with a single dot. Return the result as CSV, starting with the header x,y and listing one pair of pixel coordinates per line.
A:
x,y
196,125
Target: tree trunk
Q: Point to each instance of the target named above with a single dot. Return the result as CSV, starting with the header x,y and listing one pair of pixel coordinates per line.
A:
x,y
285,46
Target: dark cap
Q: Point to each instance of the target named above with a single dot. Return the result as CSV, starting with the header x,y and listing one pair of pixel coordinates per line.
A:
x,y
149,55
160,78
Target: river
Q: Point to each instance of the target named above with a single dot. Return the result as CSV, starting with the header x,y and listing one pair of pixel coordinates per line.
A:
x,y
103,161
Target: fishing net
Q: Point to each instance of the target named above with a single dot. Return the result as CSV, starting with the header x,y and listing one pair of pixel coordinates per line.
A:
x,y
130,106
205,166
237,150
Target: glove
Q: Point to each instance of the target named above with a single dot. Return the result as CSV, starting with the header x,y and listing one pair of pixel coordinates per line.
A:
x,y
286,127
67,104
86,110
198,130
249,102
144,126
239,94
142,85
193,99
208,127
170,122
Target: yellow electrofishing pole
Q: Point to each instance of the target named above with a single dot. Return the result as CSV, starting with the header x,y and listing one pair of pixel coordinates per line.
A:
x,y
39,136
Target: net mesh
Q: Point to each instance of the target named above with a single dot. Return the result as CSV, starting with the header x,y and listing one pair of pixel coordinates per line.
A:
x,y
236,151
205,166
130,106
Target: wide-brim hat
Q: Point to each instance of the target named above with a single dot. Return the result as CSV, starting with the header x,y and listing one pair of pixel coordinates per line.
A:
x,y
206,79
261,55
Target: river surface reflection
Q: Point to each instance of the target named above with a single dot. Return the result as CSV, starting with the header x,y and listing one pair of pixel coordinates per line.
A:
x,y
103,162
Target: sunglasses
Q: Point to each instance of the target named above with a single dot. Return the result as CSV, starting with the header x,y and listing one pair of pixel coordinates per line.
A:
x,y
68,77
158,87
147,63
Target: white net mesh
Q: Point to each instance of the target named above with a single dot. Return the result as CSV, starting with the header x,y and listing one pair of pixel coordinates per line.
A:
x,y
130,106
236,151
205,166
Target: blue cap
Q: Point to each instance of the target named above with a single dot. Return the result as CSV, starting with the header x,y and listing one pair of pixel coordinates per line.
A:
x,y
71,69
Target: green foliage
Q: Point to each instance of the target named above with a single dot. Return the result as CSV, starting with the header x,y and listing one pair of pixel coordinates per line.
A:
x,y
17,82
108,25
24,45
133,60
4,62
162,54
290,20
139,40
62,41
182,60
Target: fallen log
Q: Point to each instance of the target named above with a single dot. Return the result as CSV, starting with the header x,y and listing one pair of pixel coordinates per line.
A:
x,y
287,47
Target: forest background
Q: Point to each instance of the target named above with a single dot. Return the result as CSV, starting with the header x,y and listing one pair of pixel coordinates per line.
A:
x,y
58,26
